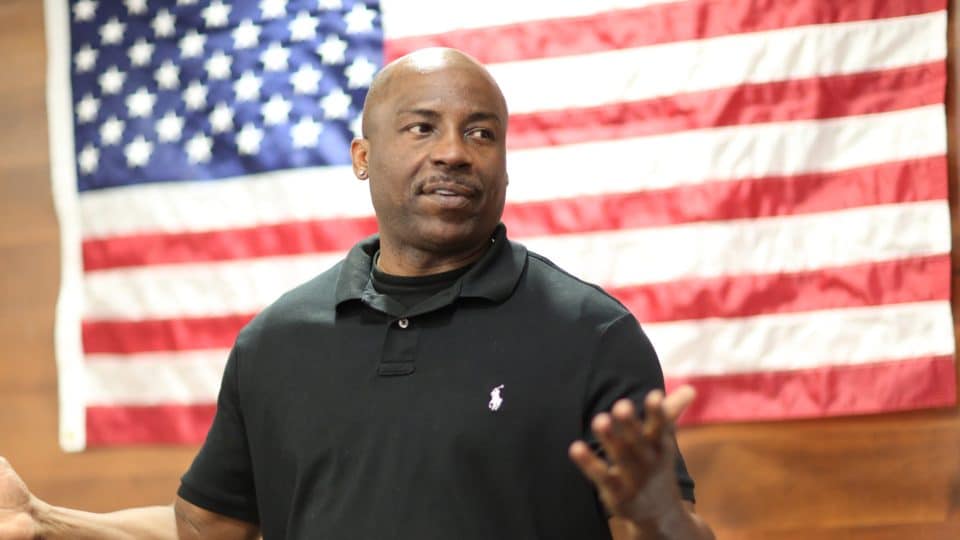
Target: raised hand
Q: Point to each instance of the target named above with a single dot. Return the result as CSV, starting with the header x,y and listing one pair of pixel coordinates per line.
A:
x,y
637,481
16,517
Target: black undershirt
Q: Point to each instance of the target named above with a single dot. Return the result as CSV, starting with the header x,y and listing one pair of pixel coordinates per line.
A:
x,y
411,290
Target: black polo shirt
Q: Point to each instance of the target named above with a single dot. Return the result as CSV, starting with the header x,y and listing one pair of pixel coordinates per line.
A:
x,y
345,415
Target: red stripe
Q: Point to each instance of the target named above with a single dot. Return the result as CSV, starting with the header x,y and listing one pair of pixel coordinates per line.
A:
x,y
826,391
779,101
662,23
898,182
223,245
911,280
890,282
834,390
153,424
908,181
189,333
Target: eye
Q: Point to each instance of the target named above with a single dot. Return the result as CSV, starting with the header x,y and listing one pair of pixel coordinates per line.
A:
x,y
484,134
420,128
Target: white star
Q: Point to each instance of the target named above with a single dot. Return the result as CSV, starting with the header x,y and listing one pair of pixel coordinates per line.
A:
x,y
330,4
218,65
217,14
85,59
138,152
111,80
84,10
140,53
136,7
87,109
305,133
221,119
275,57
248,139
167,75
271,9
332,50
336,104
359,19
306,79
303,27
246,35
247,87
111,131
170,127
276,111
88,158
360,73
195,95
164,24
356,126
112,32
140,103
199,148
192,44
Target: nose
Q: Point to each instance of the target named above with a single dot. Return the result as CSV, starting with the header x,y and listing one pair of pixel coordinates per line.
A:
x,y
450,151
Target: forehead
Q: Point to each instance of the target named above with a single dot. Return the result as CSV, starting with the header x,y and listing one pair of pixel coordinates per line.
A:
x,y
466,88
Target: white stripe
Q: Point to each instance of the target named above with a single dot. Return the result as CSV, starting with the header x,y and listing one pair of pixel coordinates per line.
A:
x,y
722,154
803,340
622,166
198,290
67,341
618,258
183,378
691,66
247,201
761,246
710,347
403,18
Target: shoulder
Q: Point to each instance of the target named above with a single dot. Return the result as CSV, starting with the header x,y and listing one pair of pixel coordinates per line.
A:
x,y
563,291
310,302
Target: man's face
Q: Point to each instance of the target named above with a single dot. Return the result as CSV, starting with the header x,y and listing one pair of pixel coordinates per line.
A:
x,y
436,157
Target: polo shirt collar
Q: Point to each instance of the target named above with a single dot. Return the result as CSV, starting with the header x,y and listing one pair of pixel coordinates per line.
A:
x,y
492,277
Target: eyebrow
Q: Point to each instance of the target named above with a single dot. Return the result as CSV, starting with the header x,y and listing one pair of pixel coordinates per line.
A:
x,y
473,117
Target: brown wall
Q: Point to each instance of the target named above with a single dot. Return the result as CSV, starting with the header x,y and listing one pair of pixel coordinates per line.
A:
x,y
894,476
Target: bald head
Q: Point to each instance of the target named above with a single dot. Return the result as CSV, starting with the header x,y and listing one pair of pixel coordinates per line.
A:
x,y
418,63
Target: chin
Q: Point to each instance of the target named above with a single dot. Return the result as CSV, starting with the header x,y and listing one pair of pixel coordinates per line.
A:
x,y
444,236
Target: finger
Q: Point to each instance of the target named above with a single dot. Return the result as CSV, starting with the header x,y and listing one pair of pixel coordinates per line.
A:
x,y
677,402
630,429
612,439
606,478
589,463
654,419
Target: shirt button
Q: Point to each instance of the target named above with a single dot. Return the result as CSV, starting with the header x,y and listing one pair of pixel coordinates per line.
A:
x,y
403,323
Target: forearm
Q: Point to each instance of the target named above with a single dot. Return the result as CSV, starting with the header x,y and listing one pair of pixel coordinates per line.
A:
x,y
149,523
680,525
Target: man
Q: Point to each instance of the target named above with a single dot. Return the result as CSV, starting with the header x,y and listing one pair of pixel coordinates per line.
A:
x,y
435,383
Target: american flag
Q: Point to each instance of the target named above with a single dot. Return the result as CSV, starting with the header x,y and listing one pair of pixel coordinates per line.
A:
x,y
762,183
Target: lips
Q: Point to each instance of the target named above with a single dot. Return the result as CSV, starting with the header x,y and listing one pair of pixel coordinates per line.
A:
x,y
449,194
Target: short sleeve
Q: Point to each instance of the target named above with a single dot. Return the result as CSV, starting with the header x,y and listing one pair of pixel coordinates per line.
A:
x,y
220,479
625,365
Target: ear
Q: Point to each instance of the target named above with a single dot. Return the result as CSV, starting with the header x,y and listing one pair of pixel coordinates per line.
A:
x,y
359,151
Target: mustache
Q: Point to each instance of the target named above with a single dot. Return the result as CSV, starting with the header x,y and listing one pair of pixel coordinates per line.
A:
x,y
454,182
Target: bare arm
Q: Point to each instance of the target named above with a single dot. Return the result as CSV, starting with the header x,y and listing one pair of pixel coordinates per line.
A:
x,y
25,517
637,482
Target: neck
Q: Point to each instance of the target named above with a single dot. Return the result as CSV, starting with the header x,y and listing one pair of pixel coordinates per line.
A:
x,y
410,261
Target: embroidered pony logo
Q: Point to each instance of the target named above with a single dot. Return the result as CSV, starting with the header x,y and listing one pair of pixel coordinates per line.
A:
x,y
495,399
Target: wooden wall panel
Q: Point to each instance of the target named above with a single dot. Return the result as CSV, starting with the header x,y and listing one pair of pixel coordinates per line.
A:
x,y
879,477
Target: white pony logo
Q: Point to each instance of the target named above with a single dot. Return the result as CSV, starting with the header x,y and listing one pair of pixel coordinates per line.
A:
x,y
495,399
